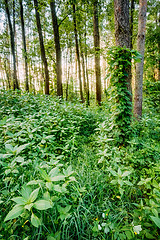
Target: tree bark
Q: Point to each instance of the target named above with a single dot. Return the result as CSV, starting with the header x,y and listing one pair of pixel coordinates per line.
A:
x,y
97,51
24,46
58,49
122,32
43,54
131,23
122,26
77,52
139,66
15,80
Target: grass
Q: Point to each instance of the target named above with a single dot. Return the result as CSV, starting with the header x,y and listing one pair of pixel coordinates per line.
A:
x,y
103,190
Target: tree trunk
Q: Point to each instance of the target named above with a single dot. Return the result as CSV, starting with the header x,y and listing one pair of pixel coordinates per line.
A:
x,y
43,54
58,49
97,51
122,27
131,23
83,67
15,80
122,32
77,52
139,66
24,45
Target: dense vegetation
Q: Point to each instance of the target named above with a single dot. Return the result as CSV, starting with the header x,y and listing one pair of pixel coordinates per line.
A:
x,y
64,175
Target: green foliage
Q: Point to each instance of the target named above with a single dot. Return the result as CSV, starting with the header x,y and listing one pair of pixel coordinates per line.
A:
x,y
119,60
64,177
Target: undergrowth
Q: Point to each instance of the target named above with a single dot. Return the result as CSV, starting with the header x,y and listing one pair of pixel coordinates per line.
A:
x,y
65,177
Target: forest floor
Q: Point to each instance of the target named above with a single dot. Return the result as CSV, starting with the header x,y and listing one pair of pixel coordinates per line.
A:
x,y
64,177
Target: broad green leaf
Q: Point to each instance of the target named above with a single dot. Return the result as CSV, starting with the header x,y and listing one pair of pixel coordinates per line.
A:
x,y
33,195
15,212
113,172
126,173
129,235
29,206
42,204
49,185
58,178
149,236
36,222
21,148
19,159
128,183
34,182
26,191
114,182
156,220
54,172
68,171
19,200
9,148
45,175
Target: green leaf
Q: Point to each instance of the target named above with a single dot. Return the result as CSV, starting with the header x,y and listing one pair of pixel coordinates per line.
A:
x,y
45,175
9,148
33,195
29,206
43,204
19,200
156,220
58,178
19,159
15,212
54,172
21,148
35,182
36,222
126,173
128,183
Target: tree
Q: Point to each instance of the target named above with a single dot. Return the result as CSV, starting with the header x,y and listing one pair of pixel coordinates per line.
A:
x,y
77,51
139,65
57,47
97,51
24,45
122,32
12,39
43,54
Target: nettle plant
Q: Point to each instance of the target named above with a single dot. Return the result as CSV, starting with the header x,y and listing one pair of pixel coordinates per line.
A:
x,y
51,185
119,60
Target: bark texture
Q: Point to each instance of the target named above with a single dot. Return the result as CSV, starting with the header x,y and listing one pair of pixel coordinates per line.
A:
x,y
43,54
131,23
97,51
77,52
139,66
58,48
122,26
15,80
122,31
24,45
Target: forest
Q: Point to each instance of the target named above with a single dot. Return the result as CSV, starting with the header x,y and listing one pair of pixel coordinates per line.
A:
x,y
79,119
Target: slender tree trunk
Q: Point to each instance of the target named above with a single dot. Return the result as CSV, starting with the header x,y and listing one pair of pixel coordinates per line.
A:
x,y
15,80
139,66
131,23
97,51
43,54
58,48
24,45
83,68
77,52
